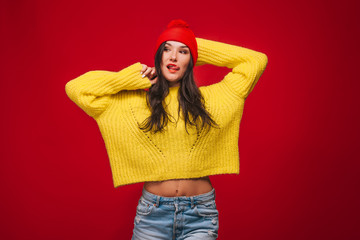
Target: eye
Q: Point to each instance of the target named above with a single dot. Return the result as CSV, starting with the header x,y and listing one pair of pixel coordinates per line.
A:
x,y
166,49
183,51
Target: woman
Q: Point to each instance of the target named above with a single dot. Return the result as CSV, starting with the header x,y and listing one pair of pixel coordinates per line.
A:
x,y
175,135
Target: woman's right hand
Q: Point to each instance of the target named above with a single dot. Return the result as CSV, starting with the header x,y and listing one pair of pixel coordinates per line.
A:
x,y
150,73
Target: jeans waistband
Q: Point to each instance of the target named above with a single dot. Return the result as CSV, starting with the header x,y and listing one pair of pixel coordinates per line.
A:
x,y
193,200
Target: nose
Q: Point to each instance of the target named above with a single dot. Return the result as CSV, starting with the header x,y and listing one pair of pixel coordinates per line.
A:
x,y
173,56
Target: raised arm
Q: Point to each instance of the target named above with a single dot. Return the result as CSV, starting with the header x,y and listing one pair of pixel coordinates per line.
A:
x,y
92,90
247,65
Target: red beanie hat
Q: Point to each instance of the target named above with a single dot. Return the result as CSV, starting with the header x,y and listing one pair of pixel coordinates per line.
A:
x,y
178,30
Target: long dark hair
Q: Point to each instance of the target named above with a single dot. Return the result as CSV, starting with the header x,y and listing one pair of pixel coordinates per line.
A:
x,y
190,99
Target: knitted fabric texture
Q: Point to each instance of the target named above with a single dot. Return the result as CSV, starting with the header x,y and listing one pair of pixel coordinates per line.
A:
x,y
117,101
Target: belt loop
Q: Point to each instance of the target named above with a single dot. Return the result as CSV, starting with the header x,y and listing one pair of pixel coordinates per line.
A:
x,y
157,201
192,202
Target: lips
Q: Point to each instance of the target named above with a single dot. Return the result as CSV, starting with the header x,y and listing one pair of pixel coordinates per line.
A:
x,y
173,67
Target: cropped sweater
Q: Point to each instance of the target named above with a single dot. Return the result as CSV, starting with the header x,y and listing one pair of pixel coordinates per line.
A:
x,y
117,102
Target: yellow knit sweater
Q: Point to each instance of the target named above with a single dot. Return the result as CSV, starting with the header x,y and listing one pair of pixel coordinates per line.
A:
x,y
117,101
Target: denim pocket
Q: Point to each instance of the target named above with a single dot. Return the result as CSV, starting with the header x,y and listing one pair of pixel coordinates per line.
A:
x,y
206,209
144,207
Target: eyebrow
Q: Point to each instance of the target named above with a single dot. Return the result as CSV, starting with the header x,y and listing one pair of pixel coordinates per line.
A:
x,y
180,46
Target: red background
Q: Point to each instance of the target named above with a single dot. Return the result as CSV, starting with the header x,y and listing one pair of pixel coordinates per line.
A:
x,y
299,176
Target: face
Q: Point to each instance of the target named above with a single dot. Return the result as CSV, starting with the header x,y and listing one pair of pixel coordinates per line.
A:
x,y
175,60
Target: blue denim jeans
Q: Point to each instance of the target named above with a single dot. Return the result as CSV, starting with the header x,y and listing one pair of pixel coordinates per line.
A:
x,y
176,218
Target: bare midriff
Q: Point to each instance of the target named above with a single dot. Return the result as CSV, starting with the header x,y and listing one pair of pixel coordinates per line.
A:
x,y
179,187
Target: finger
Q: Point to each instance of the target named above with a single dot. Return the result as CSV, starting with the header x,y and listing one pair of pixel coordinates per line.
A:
x,y
153,72
153,81
144,67
152,77
147,71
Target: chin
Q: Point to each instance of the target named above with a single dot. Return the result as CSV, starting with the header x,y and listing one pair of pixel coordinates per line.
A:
x,y
172,79
171,83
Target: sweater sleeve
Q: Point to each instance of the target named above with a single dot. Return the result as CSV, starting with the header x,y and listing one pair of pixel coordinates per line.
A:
x,y
247,65
92,91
